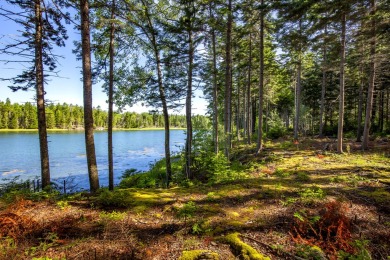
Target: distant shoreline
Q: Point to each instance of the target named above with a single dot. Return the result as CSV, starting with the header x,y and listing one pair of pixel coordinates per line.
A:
x,y
97,130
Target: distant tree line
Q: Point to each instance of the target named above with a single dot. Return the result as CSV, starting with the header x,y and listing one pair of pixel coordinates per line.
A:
x,y
68,116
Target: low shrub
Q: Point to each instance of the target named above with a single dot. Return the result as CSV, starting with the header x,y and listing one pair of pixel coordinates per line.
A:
x,y
329,228
155,177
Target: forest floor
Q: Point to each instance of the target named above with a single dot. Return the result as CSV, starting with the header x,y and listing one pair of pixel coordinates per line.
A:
x,y
299,202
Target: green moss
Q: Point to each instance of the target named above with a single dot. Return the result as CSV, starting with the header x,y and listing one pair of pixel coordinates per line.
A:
x,y
234,223
302,177
310,252
198,254
242,249
380,195
234,214
124,198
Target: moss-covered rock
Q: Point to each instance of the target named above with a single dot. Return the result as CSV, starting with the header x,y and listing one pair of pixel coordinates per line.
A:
x,y
199,254
243,250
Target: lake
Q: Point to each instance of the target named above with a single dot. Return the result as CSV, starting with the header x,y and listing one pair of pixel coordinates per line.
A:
x,y
19,154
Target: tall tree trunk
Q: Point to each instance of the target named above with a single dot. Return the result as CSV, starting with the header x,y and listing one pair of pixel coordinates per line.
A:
x,y
165,115
215,87
342,82
387,108
238,109
373,125
371,85
40,92
253,113
228,81
323,86
298,89
161,89
361,92
381,110
360,106
87,87
188,154
248,115
261,83
110,102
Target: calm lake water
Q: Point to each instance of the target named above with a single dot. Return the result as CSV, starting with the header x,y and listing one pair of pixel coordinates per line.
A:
x,y
19,154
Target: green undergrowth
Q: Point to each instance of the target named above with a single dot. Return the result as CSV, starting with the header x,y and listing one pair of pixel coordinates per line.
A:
x,y
250,193
208,168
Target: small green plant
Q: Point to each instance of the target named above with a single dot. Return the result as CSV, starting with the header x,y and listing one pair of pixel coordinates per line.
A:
x,y
7,247
211,196
187,210
310,252
339,179
288,201
200,227
299,216
117,198
302,177
362,252
354,179
62,204
49,241
313,193
282,173
302,216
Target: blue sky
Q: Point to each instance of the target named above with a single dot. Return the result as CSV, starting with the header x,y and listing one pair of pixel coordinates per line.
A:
x,y
68,86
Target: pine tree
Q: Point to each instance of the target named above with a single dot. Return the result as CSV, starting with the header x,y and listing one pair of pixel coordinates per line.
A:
x,y
371,86
42,23
146,19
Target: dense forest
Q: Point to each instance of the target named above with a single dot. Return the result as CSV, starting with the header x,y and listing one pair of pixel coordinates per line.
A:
x,y
68,116
267,68
291,163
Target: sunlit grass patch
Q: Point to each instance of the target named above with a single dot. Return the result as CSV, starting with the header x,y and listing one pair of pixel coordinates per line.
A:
x,y
133,197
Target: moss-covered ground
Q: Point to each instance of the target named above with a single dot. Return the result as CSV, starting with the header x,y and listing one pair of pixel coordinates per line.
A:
x,y
298,201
